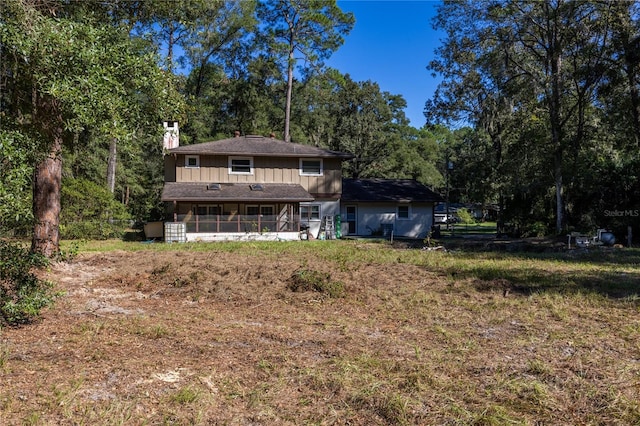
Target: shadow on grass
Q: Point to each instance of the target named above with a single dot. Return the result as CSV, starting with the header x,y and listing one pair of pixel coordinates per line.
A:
x,y
460,230
603,256
133,236
614,274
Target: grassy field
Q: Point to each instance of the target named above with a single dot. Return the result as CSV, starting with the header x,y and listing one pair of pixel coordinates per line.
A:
x,y
329,332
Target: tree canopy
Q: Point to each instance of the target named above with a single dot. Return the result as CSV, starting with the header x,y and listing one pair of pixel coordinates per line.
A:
x,y
67,70
537,79
311,28
538,108
86,86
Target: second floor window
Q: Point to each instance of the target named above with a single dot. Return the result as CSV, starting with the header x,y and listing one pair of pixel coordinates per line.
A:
x,y
241,165
310,167
191,161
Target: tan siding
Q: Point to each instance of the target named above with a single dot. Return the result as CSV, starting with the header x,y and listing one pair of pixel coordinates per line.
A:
x,y
206,170
266,175
188,175
266,170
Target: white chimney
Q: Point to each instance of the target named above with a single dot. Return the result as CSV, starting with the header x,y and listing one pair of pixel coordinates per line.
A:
x,y
171,135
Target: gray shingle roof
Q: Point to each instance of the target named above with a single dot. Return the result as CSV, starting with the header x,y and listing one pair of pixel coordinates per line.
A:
x,y
259,146
387,190
234,192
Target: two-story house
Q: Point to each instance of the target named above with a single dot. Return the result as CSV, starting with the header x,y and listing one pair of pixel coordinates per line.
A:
x,y
255,187
251,185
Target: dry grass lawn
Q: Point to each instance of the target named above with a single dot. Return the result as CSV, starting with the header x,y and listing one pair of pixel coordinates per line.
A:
x,y
219,333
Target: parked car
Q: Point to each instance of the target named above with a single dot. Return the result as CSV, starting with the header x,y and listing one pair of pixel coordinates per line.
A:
x,y
444,218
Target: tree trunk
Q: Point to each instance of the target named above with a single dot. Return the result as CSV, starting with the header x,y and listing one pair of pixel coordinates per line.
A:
x,y
559,192
46,200
170,44
126,196
287,112
555,117
47,179
111,165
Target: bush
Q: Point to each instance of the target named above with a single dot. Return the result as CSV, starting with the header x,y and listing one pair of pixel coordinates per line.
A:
x,y
22,294
535,229
465,216
17,154
90,211
310,280
94,230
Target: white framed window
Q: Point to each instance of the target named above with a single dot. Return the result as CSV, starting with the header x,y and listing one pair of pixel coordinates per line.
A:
x,y
309,212
192,161
403,212
311,167
241,165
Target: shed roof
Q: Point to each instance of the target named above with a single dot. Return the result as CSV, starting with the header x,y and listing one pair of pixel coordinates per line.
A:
x,y
258,146
387,190
234,192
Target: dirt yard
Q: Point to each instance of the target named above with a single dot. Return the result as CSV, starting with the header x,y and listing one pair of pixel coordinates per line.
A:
x,y
216,337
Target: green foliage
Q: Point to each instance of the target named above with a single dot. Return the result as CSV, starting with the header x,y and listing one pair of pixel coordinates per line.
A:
x,y
465,216
22,294
476,175
90,212
185,395
309,280
412,159
68,253
310,28
364,117
535,229
554,105
95,74
70,67
16,171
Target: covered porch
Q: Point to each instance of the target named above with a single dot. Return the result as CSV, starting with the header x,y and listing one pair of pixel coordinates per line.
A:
x,y
221,212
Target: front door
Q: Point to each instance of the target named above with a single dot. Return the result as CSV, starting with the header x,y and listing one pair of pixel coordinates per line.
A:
x,y
351,220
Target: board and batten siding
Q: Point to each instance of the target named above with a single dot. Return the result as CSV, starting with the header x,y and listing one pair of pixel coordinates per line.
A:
x,y
371,216
265,170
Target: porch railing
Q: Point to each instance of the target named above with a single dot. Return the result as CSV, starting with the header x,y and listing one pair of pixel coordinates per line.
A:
x,y
240,223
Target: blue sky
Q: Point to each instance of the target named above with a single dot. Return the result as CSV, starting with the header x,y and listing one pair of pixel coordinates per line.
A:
x,y
391,44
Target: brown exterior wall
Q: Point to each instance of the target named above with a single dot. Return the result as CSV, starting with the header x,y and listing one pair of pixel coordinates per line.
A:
x,y
214,169
170,168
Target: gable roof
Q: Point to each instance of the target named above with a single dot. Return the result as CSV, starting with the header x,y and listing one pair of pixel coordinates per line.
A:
x,y
387,190
234,192
259,146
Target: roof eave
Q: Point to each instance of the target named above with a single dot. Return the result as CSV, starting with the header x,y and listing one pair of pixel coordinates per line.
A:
x,y
236,200
386,200
342,156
